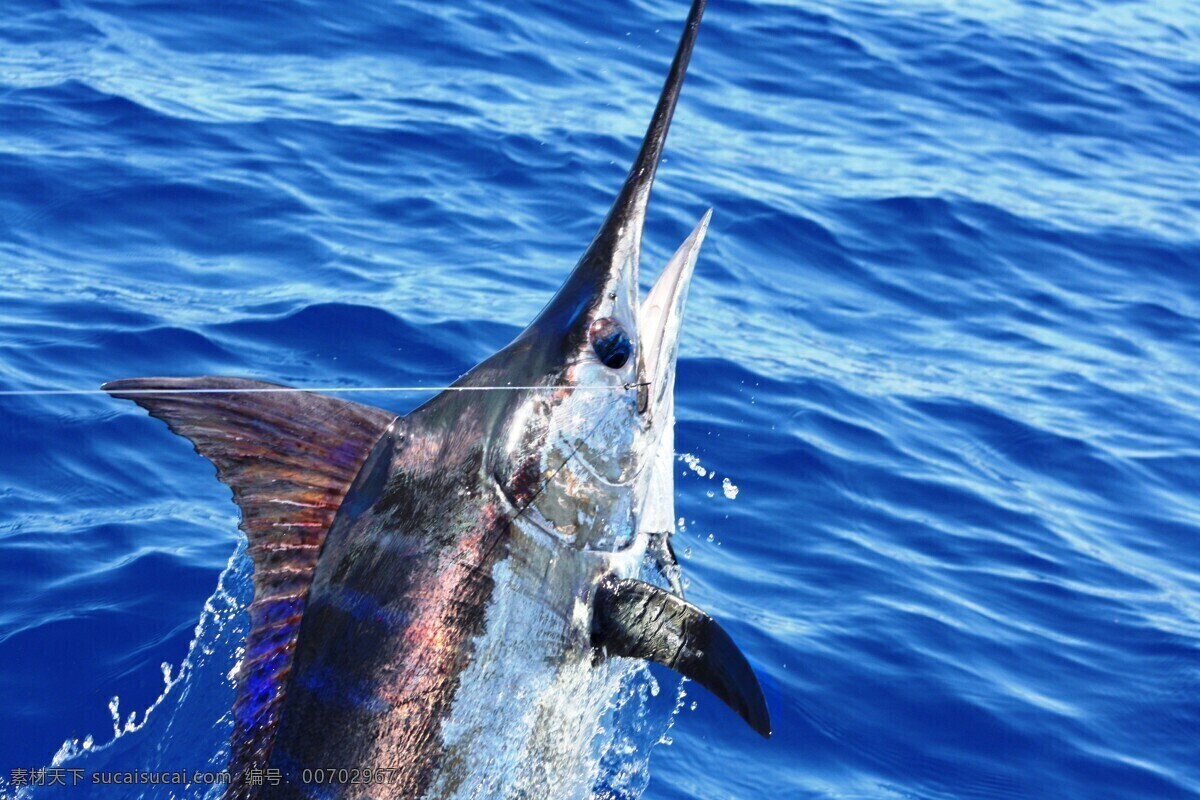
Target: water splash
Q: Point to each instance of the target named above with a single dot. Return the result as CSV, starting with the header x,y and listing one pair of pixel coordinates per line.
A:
x,y
728,488
186,702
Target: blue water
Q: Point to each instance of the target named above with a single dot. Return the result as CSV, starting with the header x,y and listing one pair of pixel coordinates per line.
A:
x,y
944,340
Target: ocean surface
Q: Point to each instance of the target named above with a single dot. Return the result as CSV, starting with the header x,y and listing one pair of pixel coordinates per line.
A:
x,y
939,383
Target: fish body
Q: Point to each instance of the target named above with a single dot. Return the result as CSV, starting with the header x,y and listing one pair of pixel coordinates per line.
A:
x,y
445,600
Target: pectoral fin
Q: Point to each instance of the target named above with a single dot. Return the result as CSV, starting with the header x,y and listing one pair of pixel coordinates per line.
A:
x,y
637,620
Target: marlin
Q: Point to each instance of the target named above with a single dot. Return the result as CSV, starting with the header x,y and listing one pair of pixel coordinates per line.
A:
x,y
439,596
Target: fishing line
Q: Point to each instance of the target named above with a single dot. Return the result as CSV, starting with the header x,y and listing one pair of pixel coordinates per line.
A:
x,y
330,389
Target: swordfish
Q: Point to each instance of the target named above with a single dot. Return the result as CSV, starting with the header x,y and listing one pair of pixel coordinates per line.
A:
x,y
438,596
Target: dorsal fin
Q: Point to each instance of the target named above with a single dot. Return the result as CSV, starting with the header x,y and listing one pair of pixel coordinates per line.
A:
x,y
637,620
289,457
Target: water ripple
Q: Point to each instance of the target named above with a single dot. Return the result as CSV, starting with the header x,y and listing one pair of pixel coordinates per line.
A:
x,y
943,338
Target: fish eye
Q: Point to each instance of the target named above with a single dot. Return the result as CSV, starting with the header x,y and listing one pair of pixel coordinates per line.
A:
x,y
610,342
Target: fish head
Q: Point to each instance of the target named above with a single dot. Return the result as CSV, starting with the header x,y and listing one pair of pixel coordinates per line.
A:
x,y
587,443
579,440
